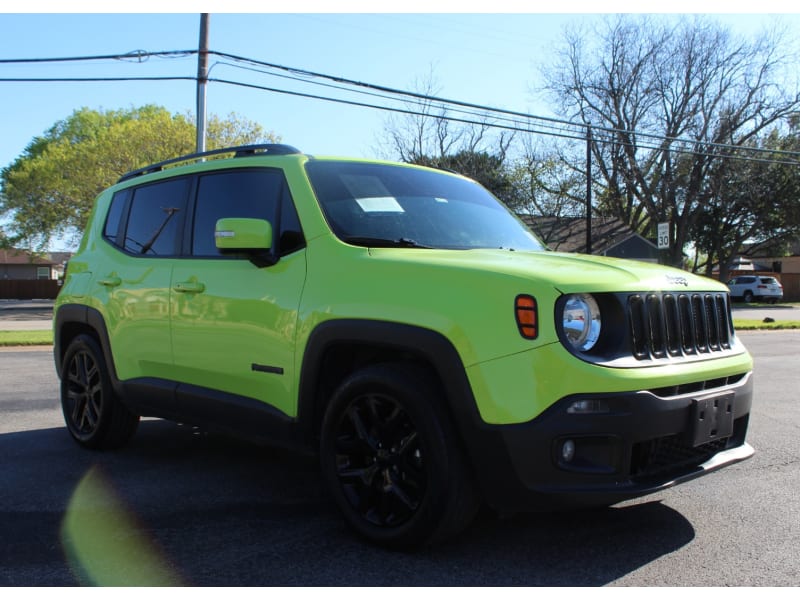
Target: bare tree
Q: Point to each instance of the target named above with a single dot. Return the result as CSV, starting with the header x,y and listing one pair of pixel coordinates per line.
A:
x,y
665,101
549,184
430,134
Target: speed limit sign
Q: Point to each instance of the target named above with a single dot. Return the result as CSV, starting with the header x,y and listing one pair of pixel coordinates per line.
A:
x,y
663,236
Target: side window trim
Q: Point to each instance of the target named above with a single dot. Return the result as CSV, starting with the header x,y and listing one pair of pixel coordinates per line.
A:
x,y
188,222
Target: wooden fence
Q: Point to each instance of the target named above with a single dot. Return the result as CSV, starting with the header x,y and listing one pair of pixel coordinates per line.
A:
x,y
791,286
29,289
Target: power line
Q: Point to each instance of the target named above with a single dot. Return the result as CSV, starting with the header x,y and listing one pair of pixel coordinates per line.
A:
x,y
527,116
94,79
139,55
489,116
516,128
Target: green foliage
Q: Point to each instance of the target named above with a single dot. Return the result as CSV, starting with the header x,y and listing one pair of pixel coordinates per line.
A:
x,y
487,169
750,201
49,190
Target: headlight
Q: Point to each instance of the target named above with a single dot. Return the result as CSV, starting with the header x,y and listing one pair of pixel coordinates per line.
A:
x,y
581,321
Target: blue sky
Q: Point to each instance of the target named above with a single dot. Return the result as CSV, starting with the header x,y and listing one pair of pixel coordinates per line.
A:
x,y
488,58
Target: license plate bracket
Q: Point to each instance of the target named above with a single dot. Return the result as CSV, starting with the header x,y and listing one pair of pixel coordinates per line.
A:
x,y
712,418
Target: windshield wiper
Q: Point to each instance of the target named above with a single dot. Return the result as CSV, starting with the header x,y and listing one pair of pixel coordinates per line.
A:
x,y
376,242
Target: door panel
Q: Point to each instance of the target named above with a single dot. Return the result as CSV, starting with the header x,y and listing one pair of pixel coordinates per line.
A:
x,y
234,326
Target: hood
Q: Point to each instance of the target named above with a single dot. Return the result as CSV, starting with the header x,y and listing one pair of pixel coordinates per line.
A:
x,y
569,273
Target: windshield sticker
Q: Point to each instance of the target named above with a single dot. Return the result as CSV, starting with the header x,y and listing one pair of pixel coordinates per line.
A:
x,y
381,204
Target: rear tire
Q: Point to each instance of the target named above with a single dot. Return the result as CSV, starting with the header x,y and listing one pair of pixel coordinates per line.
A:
x,y
391,459
94,415
748,297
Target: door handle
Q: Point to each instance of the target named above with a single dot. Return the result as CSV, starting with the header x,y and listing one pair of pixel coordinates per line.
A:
x,y
110,281
189,287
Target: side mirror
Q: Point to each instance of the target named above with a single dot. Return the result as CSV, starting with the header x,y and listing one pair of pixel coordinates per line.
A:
x,y
250,236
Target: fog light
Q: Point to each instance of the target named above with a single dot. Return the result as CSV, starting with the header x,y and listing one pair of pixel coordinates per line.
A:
x,y
588,407
568,451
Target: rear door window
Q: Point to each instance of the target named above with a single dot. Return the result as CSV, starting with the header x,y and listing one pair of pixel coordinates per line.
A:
x,y
156,217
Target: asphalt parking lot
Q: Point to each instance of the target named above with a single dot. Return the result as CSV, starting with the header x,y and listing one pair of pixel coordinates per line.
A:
x,y
179,506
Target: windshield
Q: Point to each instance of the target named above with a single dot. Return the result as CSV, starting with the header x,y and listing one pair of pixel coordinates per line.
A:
x,y
370,204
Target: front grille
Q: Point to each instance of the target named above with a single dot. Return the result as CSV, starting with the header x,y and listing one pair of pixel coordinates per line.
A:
x,y
698,386
672,454
663,325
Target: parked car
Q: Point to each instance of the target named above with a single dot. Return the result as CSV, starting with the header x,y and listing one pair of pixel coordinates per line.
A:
x,y
400,322
756,287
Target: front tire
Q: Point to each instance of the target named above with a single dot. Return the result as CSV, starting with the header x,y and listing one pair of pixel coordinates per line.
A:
x,y
391,459
94,415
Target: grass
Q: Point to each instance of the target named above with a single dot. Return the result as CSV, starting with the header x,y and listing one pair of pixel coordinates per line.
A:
x,y
26,338
749,324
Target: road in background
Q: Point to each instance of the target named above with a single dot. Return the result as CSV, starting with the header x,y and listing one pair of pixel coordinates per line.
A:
x,y
26,315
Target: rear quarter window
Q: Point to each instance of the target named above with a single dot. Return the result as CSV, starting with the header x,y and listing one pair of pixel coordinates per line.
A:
x,y
114,217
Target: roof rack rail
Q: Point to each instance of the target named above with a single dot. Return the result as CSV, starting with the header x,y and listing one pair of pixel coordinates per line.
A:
x,y
237,151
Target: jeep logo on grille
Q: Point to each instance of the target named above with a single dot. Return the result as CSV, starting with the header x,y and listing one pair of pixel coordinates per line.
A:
x,y
677,280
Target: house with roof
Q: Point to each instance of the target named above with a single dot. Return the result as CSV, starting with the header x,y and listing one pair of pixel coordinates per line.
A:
x,y
24,275
610,237
22,265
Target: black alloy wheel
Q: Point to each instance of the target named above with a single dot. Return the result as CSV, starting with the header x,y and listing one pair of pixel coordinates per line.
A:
x,y
392,461
379,461
93,414
84,394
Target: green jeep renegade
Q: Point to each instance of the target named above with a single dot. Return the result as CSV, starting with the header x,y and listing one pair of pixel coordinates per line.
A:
x,y
401,323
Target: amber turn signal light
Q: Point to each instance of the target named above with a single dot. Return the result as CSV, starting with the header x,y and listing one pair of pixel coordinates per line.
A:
x,y
527,316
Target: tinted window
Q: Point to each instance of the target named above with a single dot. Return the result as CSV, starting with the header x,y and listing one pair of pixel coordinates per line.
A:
x,y
252,194
155,217
370,204
115,216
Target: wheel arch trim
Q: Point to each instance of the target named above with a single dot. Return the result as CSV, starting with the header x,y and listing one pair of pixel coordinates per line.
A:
x,y
91,318
426,344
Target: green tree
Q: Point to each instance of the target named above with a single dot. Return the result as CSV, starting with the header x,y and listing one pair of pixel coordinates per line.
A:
x,y
487,169
49,190
753,202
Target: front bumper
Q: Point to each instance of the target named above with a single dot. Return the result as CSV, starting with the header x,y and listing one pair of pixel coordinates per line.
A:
x,y
634,443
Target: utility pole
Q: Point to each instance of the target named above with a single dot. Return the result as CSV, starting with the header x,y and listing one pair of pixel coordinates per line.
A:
x,y
202,82
588,190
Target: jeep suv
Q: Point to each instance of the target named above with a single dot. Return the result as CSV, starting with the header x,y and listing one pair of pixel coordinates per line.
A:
x,y
401,323
756,287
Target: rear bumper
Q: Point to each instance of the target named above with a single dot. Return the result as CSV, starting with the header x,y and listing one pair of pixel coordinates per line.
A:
x,y
634,444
